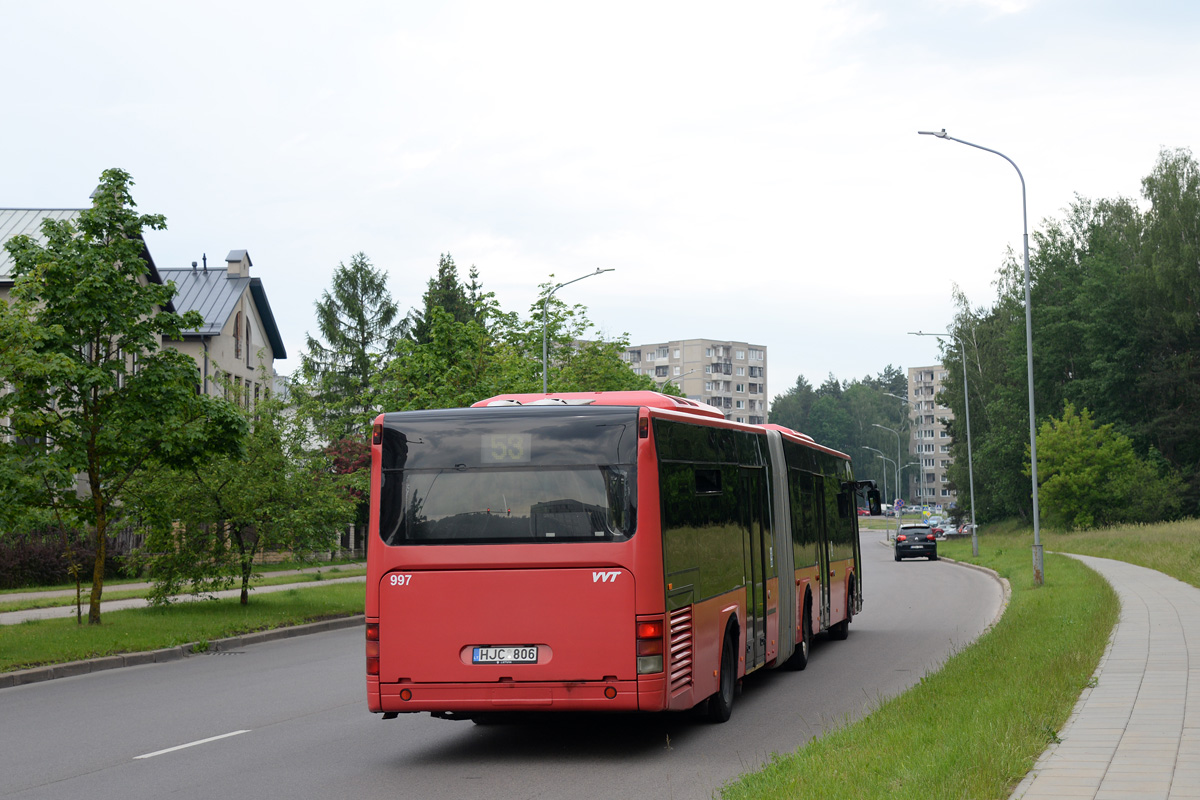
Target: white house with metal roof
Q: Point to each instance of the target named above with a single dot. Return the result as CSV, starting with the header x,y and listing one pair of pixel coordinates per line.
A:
x,y
239,340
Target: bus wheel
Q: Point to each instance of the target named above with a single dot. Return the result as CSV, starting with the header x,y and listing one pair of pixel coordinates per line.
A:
x,y
799,657
842,629
720,705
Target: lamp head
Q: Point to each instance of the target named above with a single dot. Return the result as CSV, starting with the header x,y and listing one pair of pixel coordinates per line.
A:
x,y
939,134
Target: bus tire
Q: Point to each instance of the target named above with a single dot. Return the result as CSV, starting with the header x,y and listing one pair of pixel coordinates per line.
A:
x,y
842,629
720,705
799,657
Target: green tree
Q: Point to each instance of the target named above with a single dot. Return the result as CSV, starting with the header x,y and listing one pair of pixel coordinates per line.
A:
x,y
92,391
490,352
358,321
445,291
1090,476
206,524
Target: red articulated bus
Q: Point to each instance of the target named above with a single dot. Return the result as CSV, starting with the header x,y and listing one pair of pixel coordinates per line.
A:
x,y
609,551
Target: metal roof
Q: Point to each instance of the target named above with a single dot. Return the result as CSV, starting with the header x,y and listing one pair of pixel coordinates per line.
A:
x,y
28,221
214,295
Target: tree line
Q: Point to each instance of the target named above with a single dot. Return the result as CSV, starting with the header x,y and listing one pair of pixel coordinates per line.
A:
x,y
1115,291
103,427
1115,298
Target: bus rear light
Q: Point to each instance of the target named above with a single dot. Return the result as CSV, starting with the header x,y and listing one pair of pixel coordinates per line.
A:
x,y
372,648
650,647
650,630
649,665
377,433
643,427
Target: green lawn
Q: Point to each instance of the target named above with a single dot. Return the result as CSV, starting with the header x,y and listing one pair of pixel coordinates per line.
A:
x,y
54,641
976,727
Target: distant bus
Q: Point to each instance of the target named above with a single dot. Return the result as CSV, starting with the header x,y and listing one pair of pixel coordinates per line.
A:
x,y
614,551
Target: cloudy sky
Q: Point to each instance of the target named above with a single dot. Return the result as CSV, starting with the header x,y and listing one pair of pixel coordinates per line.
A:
x,y
751,171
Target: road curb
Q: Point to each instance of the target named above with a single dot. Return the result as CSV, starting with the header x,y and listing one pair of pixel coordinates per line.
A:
x,y
87,666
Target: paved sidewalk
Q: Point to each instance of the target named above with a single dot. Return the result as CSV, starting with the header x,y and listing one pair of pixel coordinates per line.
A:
x,y
1137,733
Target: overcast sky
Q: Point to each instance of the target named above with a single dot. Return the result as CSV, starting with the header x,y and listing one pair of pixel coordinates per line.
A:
x,y
751,171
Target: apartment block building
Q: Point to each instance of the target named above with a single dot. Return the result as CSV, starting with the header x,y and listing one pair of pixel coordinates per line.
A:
x,y
730,376
929,438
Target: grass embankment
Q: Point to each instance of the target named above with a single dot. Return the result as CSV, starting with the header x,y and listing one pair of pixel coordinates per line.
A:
x,y
57,641
976,727
1172,548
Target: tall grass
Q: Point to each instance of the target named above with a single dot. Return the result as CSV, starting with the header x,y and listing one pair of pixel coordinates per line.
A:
x,y
976,727
1172,548
55,641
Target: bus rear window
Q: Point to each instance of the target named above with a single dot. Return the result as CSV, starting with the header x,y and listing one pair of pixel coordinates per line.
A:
x,y
482,506
478,476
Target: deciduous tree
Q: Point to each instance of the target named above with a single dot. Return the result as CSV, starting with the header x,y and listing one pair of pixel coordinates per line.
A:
x,y
94,399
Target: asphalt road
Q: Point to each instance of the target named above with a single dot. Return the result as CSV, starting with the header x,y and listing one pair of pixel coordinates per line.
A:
x,y
292,719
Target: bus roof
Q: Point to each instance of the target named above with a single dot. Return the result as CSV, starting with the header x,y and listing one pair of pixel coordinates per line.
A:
x,y
642,398
632,398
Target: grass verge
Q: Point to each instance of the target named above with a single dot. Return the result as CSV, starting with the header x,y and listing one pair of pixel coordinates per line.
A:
x,y
259,579
976,727
55,641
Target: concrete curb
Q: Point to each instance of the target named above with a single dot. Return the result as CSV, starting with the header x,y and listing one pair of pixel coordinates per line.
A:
x,y
87,666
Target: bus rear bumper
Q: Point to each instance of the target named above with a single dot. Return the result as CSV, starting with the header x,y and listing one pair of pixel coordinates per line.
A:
x,y
550,696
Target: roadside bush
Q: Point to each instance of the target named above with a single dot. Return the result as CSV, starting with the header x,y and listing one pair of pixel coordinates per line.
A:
x,y
1090,476
40,558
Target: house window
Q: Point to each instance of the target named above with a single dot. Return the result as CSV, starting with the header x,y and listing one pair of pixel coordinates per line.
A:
x,y
708,369
741,372
741,387
708,352
945,448
756,355
741,404
660,372
740,355
676,352
708,386
677,370
945,434
237,335
661,353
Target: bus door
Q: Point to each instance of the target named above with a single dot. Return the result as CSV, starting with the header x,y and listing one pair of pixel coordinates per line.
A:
x,y
757,559
822,531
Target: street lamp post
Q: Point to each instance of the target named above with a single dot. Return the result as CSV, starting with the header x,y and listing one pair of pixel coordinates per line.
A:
x,y
1038,570
920,457
970,461
677,383
545,300
898,490
879,454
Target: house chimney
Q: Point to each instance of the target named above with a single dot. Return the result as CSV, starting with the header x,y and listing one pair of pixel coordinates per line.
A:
x,y
237,264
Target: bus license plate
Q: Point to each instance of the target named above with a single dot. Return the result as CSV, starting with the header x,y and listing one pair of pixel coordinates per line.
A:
x,y
517,654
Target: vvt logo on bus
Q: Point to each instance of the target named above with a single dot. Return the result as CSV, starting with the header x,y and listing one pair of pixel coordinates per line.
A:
x,y
605,577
